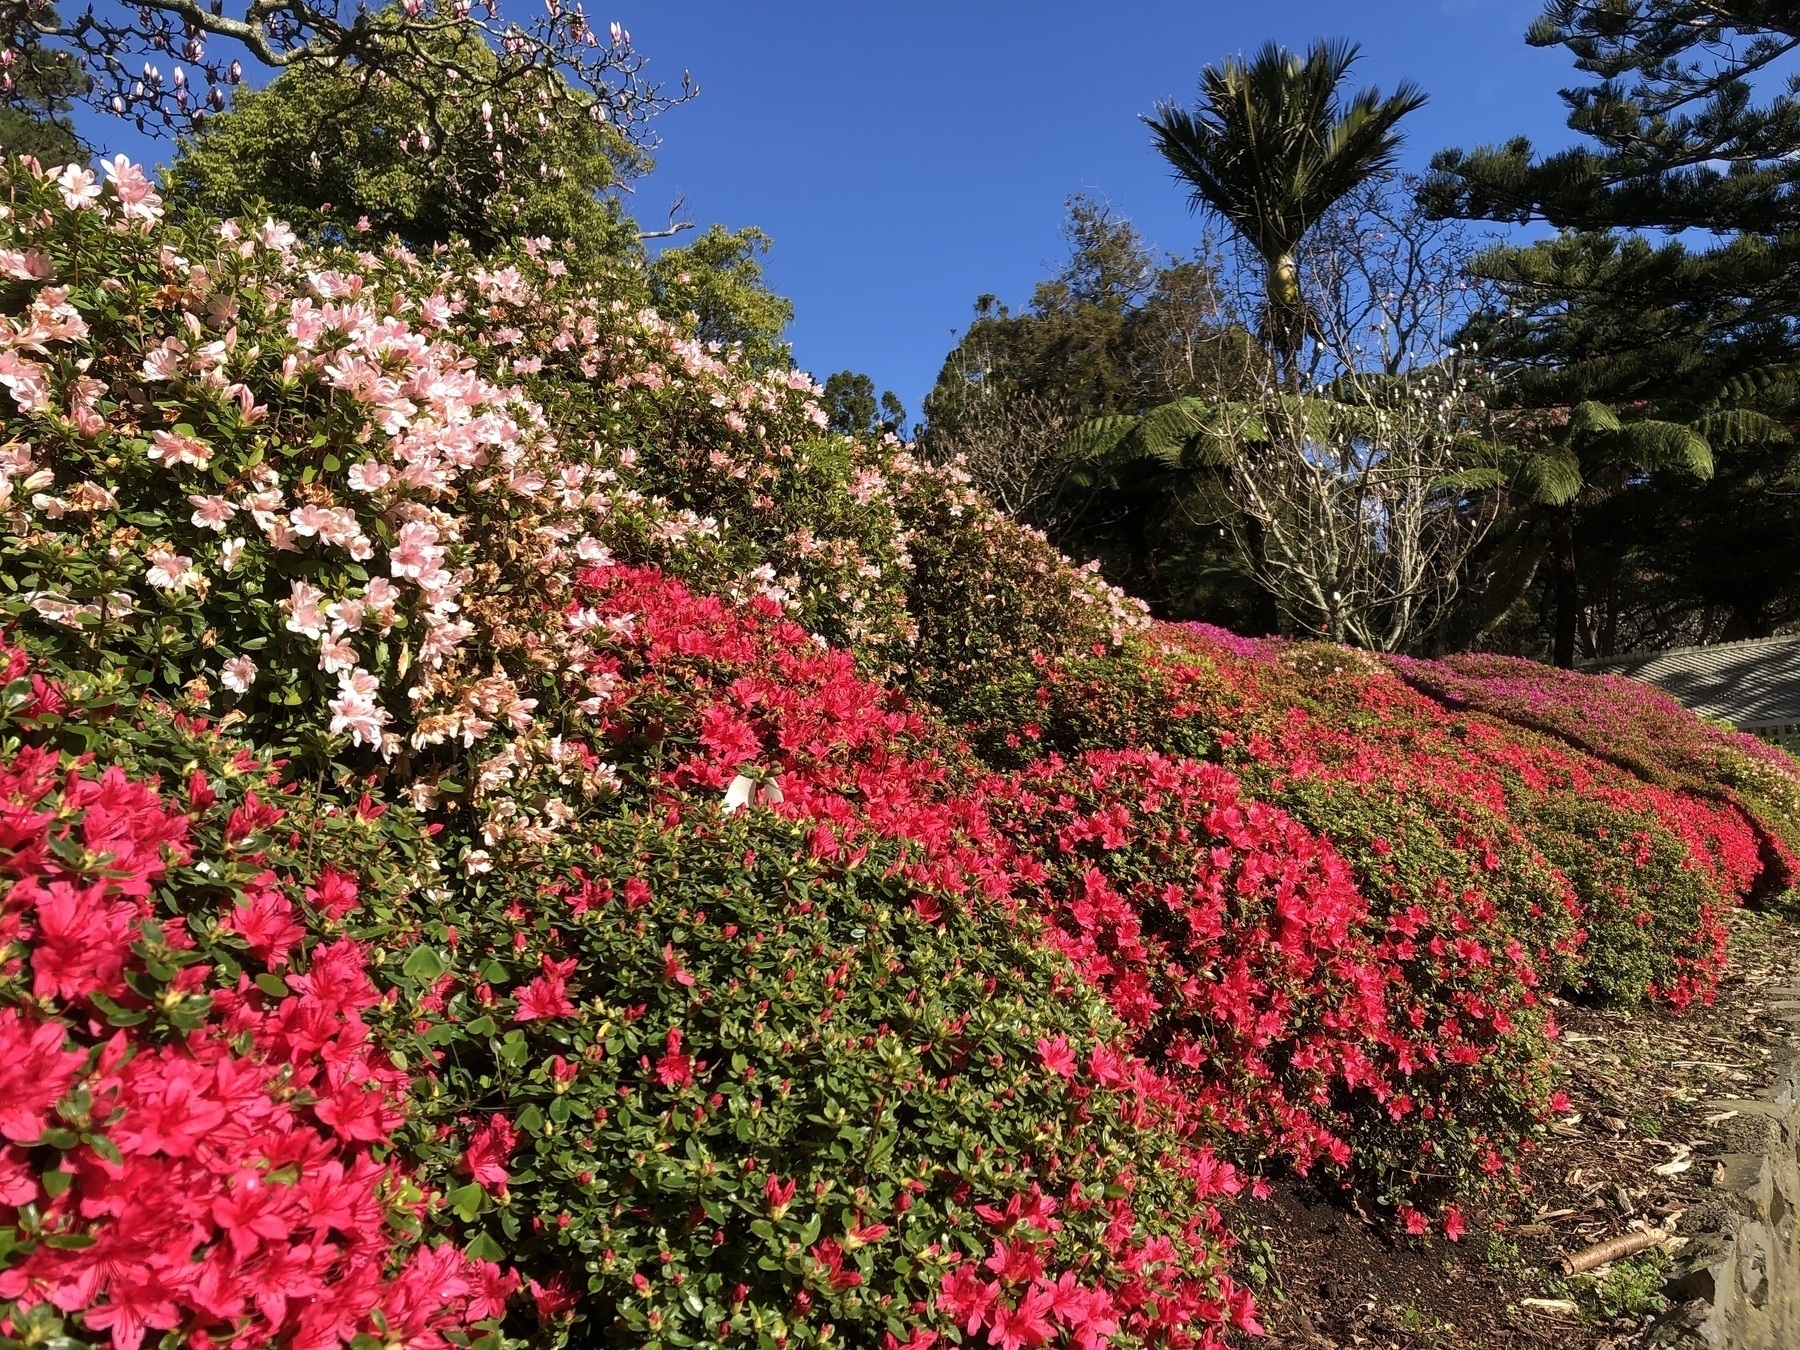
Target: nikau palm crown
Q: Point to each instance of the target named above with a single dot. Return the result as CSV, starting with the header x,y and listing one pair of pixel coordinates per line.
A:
x,y
1270,149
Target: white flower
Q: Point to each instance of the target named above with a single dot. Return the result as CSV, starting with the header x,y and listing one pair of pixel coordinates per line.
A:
x,y
231,552
170,571
304,615
335,655
78,186
739,794
171,449
478,861
276,235
355,709
239,674
369,476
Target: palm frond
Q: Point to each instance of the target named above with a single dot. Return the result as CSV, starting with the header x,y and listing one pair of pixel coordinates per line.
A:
x,y
1667,445
1269,149
1741,426
1592,419
1552,477
1098,437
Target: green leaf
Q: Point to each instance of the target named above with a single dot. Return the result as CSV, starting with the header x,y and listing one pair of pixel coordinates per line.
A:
x,y
467,1201
272,985
425,965
484,1248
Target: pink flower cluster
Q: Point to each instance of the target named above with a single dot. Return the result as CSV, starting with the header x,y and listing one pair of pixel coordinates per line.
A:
x,y
181,1152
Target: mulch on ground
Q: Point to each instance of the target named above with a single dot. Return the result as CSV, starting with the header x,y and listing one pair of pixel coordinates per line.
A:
x,y
1650,1093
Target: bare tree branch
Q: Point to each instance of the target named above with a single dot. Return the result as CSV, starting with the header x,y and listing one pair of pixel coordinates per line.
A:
x,y
674,226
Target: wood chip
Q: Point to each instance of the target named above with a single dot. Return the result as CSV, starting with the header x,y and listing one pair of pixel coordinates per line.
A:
x,y
1554,1307
1675,1168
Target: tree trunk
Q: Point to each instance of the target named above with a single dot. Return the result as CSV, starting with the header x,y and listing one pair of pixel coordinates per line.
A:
x,y
1286,319
1568,592
1265,615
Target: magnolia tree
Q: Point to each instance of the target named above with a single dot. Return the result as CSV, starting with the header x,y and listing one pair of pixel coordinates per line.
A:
x,y
1365,502
168,64
1357,472
1367,496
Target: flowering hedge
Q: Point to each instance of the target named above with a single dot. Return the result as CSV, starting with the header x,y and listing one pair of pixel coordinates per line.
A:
x,y
546,845
198,1129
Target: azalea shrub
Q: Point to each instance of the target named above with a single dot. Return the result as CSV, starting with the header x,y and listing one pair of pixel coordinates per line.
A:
x,y
1617,880
514,834
1395,1045
1633,725
701,1084
197,1132
1396,1049
677,1064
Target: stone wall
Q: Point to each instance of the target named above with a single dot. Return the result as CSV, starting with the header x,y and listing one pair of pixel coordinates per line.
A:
x,y
1736,1283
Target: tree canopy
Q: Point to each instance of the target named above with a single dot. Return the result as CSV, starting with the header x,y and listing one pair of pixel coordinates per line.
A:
x,y
324,148
1682,134
41,86
1270,148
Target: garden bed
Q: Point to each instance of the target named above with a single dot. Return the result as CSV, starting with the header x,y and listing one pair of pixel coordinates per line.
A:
x,y
1647,1090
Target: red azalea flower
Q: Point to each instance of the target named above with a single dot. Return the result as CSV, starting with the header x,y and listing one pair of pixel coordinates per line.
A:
x,y
674,1069
489,1148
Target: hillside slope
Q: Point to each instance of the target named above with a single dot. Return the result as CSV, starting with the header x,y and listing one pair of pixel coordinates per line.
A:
x,y
535,841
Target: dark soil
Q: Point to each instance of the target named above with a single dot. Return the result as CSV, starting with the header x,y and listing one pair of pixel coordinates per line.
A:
x,y
1649,1089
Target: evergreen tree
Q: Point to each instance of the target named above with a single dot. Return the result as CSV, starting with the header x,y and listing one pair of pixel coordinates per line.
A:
x,y
1270,149
1700,336
717,282
1117,329
38,87
854,409
333,154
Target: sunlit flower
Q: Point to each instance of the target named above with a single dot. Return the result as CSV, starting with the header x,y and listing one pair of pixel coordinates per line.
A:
x,y
238,674
170,571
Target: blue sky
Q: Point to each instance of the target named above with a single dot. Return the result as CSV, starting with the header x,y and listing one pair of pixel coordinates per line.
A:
x,y
907,156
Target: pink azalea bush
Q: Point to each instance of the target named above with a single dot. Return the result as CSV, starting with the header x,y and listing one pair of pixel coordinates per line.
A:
x,y
197,1131
530,840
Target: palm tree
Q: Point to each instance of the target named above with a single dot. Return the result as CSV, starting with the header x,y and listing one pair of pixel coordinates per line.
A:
x,y
1270,148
